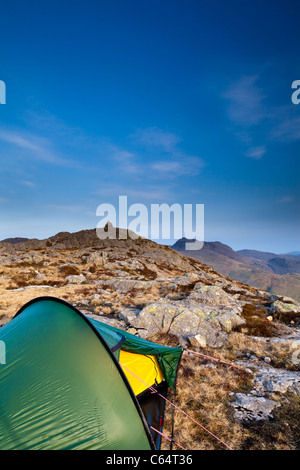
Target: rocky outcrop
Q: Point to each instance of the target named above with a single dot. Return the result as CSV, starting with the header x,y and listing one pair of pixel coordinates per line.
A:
x,y
280,306
207,312
75,279
252,408
269,388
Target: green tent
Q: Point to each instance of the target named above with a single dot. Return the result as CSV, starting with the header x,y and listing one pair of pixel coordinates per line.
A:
x,y
71,382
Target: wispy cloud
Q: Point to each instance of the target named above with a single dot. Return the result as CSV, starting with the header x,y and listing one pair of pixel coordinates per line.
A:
x,y
150,152
249,115
286,200
155,138
163,149
29,184
148,193
288,127
256,152
36,147
184,166
246,101
68,208
127,161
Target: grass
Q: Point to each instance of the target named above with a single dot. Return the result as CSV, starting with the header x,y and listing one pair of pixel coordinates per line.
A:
x,y
205,389
288,317
204,393
68,270
280,354
257,323
280,433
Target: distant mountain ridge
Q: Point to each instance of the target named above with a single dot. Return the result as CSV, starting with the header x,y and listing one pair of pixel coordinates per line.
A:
x,y
266,255
70,240
278,274
14,240
279,264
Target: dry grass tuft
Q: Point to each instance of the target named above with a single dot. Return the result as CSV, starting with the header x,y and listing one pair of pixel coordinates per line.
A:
x,y
281,433
68,270
288,317
256,321
204,393
239,346
205,390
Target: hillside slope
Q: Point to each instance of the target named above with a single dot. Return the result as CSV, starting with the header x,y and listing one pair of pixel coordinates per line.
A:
x,y
278,264
263,273
237,377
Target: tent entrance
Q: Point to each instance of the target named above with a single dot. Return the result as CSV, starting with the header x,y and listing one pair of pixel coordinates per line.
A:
x,y
153,407
136,366
140,365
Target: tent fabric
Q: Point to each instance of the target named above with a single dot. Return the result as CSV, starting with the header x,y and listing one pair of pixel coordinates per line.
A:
x,y
146,363
167,357
114,339
63,387
141,370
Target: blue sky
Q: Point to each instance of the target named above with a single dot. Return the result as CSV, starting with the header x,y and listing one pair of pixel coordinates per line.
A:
x,y
183,102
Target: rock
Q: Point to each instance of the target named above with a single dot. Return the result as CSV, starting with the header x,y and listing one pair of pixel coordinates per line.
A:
x,y
186,279
127,285
31,258
75,279
123,286
107,321
184,342
128,315
281,307
97,257
229,319
39,276
68,269
20,289
100,294
197,341
212,295
250,408
266,295
288,300
209,366
187,319
82,303
112,266
270,380
132,331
